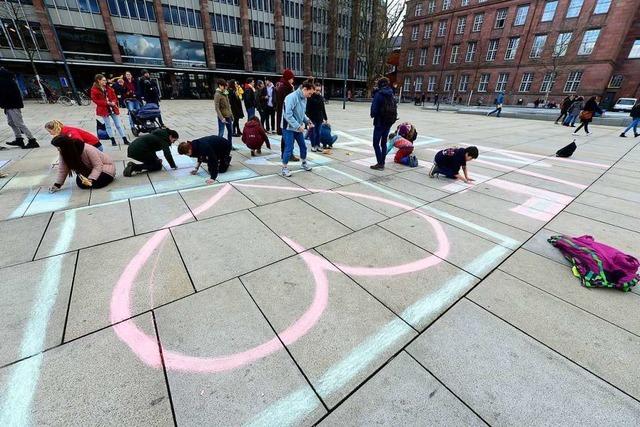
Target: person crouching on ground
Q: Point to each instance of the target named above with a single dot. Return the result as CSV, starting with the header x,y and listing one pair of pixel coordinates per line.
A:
x,y
448,162
326,138
295,105
253,135
144,148
318,115
93,168
215,150
403,139
56,127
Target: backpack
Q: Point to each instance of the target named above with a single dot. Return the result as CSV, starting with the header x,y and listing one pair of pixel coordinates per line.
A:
x,y
389,110
567,151
596,264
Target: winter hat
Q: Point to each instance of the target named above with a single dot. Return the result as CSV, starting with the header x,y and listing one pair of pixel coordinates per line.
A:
x,y
404,129
288,74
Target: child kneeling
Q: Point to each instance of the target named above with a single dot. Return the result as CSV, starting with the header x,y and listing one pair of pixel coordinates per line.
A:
x,y
402,140
448,162
253,135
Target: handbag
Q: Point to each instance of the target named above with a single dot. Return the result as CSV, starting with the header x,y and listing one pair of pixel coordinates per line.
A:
x,y
586,115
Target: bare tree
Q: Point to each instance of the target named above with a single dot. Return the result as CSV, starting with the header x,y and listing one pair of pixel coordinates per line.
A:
x,y
24,33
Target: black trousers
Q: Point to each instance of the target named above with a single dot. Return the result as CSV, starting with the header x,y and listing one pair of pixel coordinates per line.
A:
x,y
236,126
562,116
103,180
150,163
269,119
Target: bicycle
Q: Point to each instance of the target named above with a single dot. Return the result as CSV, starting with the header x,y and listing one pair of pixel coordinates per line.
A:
x,y
67,100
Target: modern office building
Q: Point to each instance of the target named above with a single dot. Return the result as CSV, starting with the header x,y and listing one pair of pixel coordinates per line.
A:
x,y
184,43
468,50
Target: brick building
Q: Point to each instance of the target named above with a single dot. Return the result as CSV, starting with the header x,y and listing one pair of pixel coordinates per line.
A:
x,y
185,43
471,49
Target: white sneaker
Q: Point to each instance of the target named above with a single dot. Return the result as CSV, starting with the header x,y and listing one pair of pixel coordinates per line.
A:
x,y
305,166
285,172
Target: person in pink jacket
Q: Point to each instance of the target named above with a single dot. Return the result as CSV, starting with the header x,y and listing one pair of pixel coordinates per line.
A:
x,y
93,168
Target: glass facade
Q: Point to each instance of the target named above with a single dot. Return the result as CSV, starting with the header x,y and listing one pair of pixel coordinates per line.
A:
x,y
186,53
138,49
84,44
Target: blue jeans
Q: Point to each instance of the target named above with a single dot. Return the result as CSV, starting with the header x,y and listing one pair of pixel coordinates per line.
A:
x,y
226,124
570,120
497,110
380,135
315,134
116,122
289,137
250,112
634,124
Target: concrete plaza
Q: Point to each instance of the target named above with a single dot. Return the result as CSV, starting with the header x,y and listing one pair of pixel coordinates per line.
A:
x,y
343,296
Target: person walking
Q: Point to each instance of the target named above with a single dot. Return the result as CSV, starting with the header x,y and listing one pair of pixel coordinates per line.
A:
x,y
574,112
269,96
295,105
93,168
214,150
144,149
223,111
635,121
12,104
249,98
235,100
384,111
586,116
107,107
56,127
498,103
564,109
283,89
318,115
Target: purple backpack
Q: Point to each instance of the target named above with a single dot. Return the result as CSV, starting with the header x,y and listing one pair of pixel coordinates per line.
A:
x,y
596,264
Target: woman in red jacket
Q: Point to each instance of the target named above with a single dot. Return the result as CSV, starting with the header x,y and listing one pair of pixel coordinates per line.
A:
x,y
56,127
107,107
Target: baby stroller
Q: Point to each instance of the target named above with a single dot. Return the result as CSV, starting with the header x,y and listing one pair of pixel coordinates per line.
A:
x,y
143,119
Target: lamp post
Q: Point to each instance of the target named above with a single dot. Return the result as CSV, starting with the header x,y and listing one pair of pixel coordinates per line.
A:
x,y
346,68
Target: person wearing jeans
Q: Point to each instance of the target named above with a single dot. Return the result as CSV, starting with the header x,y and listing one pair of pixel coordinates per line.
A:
x,y
295,105
318,115
498,104
223,111
381,124
107,107
635,121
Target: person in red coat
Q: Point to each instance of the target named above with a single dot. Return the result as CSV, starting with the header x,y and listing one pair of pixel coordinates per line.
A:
x,y
56,127
107,107
253,135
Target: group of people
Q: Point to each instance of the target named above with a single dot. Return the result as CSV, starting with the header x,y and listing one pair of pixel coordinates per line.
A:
x,y
574,107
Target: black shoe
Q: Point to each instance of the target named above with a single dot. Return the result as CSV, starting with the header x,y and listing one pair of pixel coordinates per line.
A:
x,y
433,171
635,135
125,140
113,142
377,167
31,144
128,170
18,142
622,135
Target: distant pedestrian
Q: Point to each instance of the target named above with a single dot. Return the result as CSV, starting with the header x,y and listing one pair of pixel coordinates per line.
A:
x,y
269,96
564,108
260,105
448,162
144,149
56,127
107,107
149,92
498,103
254,135
12,104
574,112
635,121
213,150
318,115
586,116
436,99
120,90
250,98
223,110
294,114
283,89
130,86
384,112
93,168
235,100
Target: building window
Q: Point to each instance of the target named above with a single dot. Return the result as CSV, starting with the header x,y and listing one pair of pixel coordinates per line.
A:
x,y
478,19
432,6
21,34
88,6
588,42
454,53
501,84
574,8
483,83
501,17
431,85
418,84
407,84
437,53
462,22
139,49
138,9
471,52
492,50
428,30
602,6
562,44
547,83
521,15
512,48
464,3
616,81
414,32
187,53
464,83
410,58
549,11
418,10
446,4
635,50
442,28
423,56
526,82
538,46
573,81
448,83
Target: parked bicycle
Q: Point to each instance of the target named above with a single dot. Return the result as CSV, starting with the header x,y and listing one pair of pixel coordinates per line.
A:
x,y
66,100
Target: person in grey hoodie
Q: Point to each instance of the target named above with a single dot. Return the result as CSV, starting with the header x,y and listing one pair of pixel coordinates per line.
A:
x,y
295,105
574,112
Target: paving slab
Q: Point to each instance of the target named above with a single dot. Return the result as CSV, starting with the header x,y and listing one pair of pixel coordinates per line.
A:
x,y
87,382
353,336
404,292
16,202
179,179
620,220
582,337
540,245
631,195
370,194
619,308
312,181
410,188
123,188
610,204
21,237
221,322
402,393
70,196
88,226
218,257
300,222
232,201
155,212
346,211
275,189
28,290
486,362
161,279
542,183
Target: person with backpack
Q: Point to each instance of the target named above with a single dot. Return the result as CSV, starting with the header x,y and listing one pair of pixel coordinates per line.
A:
x,y
564,110
384,111
448,162
253,135
586,115
214,150
573,112
318,115
498,103
635,121
12,104
295,105
144,149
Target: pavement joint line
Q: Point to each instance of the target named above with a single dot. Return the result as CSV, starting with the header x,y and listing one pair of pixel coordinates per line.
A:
x,y
605,222
73,281
164,368
133,224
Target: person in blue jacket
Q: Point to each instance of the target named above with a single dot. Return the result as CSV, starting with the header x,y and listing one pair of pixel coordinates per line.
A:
x,y
295,105
498,104
384,112
215,150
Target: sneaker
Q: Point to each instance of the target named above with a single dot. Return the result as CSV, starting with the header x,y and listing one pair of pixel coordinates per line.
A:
x,y
433,171
31,144
285,172
622,135
128,170
305,166
377,167
18,142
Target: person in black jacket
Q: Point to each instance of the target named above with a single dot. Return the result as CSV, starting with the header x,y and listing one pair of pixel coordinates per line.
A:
x,y
564,109
214,150
635,121
250,98
236,107
11,103
318,115
586,116
148,92
269,99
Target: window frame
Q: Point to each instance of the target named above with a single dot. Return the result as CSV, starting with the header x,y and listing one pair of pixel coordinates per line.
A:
x,y
482,84
546,12
493,52
586,45
461,25
472,49
512,48
538,48
574,78
518,17
455,50
526,82
478,20
571,7
501,21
